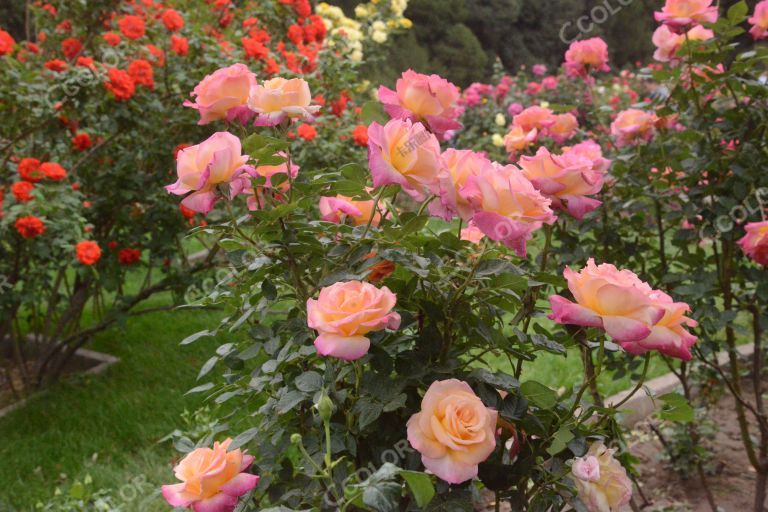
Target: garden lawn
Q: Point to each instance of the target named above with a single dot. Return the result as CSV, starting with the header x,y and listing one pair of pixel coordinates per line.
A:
x,y
107,426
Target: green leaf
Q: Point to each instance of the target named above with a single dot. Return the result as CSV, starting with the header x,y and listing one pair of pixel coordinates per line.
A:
x,y
420,485
243,438
738,12
194,337
381,491
269,290
560,441
207,367
539,394
200,388
676,408
288,401
499,380
372,111
309,382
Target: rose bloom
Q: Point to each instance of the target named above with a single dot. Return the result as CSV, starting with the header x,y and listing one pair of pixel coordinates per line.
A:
x,y
53,171
586,56
334,209
632,127
682,13
627,309
111,38
539,69
172,20
179,45
279,99
56,65
29,170
564,128
120,84
430,99
360,135
591,150
601,480
21,190
404,153
82,141
459,165
142,73
759,21
131,26
70,47
212,479
88,253
257,196
668,42
565,179
454,431
6,43
129,256
29,226
472,234
518,140
307,132
755,243
224,94
201,168
345,312
508,209
538,118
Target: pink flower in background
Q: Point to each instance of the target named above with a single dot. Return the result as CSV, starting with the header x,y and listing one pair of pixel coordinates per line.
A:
x,y
201,168
345,312
212,479
454,431
678,14
601,480
514,109
632,127
430,99
518,140
668,42
567,180
508,209
472,234
459,165
334,209
473,95
759,21
564,127
279,99
584,57
539,69
535,117
755,243
550,83
257,195
224,95
637,317
404,153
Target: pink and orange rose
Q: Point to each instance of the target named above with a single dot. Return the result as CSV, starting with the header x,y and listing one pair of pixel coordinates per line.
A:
x,y
279,99
755,242
585,57
601,480
345,312
454,431
678,14
224,94
212,479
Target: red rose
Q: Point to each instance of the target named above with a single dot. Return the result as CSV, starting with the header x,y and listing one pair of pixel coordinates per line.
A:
x,y
111,38
88,253
6,43
128,256
56,65
29,170
307,132
53,171
85,62
179,45
172,20
82,141
30,226
142,73
71,47
21,191
131,26
360,135
120,84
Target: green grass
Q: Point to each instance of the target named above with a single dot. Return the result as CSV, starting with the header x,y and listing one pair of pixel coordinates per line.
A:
x,y
107,426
